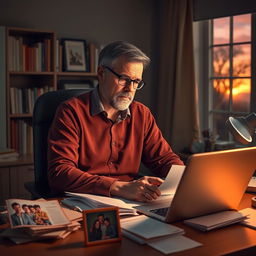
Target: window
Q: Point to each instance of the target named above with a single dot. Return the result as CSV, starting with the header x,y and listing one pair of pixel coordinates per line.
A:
x,y
231,72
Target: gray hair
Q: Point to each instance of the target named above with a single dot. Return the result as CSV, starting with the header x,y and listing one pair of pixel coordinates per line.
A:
x,y
121,48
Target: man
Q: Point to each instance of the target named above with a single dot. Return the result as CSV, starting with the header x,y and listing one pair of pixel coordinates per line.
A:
x,y
41,217
20,218
97,140
27,211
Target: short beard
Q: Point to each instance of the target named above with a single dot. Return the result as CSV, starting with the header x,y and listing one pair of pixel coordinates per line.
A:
x,y
121,104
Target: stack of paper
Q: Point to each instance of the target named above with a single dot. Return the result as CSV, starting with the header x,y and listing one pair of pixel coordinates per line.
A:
x,y
144,229
215,220
89,201
250,215
39,219
159,235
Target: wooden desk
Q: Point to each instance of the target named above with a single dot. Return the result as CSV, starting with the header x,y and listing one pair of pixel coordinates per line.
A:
x,y
218,242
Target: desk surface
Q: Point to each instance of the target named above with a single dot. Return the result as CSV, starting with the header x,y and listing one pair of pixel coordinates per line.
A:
x,y
217,242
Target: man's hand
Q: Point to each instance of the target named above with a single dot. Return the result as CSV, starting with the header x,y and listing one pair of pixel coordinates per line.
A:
x,y
144,189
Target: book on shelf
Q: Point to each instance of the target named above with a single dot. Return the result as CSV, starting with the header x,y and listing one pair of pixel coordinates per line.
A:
x,y
22,100
8,154
21,136
34,56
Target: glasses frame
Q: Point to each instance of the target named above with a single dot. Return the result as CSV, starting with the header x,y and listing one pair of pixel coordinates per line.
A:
x,y
127,79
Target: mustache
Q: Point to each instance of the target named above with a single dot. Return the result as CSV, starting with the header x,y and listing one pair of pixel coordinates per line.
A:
x,y
125,94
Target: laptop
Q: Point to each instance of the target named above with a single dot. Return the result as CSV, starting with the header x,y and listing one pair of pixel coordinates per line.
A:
x,y
211,182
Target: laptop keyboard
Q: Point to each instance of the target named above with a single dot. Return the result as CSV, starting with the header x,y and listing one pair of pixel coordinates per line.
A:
x,y
160,211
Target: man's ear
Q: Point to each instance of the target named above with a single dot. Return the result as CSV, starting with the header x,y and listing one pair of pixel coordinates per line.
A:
x,y
101,73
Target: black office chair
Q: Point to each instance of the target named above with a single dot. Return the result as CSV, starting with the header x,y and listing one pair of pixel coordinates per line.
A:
x,y
43,114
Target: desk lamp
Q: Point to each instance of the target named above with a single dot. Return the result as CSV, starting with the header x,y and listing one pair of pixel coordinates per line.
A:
x,y
242,128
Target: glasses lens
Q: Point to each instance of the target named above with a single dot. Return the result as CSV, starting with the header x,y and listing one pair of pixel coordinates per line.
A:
x,y
124,81
140,85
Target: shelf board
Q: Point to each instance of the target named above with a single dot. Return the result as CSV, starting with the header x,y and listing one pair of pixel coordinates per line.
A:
x,y
22,160
86,74
21,73
21,115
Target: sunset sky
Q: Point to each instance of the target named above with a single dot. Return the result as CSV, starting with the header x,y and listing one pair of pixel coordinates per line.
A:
x,y
241,60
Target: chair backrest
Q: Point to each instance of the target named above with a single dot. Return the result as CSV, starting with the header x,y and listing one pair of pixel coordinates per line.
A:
x,y
43,114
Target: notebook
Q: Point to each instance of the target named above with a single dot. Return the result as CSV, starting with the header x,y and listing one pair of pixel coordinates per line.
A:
x,y
211,182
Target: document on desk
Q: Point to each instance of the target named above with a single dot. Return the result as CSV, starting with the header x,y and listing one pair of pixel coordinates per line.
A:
x,y
215,220
95,201
171,182
250,220
87,201
148,228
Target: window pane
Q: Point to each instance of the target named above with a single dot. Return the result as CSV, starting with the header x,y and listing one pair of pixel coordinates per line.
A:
x,y
219,126
242,60
241,95
221,30
221,61
242,28
221,92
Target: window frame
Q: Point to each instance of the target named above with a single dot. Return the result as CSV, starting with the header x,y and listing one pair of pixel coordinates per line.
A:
x,y
208,115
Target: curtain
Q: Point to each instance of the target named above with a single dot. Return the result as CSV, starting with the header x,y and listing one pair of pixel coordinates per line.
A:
x,y
177,112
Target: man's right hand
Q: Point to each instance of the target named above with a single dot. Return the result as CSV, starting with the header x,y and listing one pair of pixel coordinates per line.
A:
x,y
144,189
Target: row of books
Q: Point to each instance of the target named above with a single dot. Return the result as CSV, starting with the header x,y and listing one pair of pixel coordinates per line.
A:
x,y
23,99
8,154
37,56
21,136
29,57
91,57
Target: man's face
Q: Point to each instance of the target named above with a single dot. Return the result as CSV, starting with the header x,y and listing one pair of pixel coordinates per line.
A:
x,y
26,209
38,209
113,95
17,209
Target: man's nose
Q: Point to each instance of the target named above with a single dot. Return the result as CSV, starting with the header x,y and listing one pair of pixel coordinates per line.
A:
x,y
129,86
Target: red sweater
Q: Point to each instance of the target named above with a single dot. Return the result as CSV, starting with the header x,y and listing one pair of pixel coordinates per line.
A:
x,y
88,152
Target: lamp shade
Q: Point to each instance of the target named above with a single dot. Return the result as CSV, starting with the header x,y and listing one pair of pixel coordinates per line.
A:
x,y
242,128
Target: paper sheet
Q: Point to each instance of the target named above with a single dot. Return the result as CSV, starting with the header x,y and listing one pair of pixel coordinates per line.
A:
x,y
149,228
169,186
174,244
251,217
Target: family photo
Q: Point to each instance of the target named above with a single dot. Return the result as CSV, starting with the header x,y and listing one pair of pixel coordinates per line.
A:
x,y
24,214
101,225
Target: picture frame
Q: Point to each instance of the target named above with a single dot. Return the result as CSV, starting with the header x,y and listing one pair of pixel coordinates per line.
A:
x,y
101,226
74,55
76,84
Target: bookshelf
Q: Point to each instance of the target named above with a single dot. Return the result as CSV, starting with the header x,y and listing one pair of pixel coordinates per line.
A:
x,y
31,64
33,67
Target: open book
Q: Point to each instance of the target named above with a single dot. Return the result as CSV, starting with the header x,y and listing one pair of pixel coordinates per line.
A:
x,y
36,214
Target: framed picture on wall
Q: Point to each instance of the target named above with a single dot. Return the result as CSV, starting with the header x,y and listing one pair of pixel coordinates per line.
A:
x,y
74,55
101,225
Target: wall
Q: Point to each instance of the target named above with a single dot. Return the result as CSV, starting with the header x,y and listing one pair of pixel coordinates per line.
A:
x,y
99,21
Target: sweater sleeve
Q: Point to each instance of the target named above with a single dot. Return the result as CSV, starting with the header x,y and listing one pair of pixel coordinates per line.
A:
x,y
63,156
157,153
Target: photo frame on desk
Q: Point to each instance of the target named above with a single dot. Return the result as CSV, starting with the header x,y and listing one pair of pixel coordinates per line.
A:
x,y
74,55
101,226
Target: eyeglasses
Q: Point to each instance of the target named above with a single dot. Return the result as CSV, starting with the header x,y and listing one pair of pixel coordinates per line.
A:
x,y
126,81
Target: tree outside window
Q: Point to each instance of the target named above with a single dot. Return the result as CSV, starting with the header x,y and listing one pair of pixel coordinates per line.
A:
x,y
231,72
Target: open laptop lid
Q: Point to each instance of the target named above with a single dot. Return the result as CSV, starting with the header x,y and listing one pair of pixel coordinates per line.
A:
x,y
212,182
